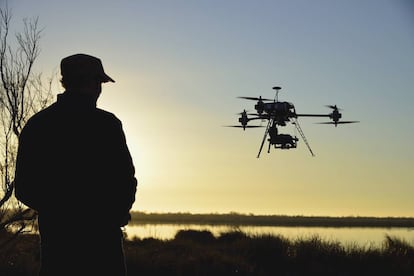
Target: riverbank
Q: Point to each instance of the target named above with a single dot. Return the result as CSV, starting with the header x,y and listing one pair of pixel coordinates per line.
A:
x,y
235,253
236,219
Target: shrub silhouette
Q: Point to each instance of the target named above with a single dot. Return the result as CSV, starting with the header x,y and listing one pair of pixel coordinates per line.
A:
x,y
202,236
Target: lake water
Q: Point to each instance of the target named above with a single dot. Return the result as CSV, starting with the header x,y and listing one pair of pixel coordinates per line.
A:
x,y
362,236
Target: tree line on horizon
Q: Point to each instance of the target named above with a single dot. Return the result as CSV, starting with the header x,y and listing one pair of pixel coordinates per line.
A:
x,y
234,218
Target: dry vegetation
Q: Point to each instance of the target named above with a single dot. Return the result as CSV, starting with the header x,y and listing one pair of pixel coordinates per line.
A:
x,y
235,253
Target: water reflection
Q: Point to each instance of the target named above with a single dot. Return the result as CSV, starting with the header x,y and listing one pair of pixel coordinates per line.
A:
x,y
362,236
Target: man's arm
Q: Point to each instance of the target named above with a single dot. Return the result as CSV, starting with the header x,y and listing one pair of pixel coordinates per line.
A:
x,y
127,182
26,168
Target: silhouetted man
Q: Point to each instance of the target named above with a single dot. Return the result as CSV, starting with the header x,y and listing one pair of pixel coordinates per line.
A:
x,y
74,168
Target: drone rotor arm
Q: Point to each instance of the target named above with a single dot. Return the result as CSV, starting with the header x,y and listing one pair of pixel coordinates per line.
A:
x,y
313,115
259,118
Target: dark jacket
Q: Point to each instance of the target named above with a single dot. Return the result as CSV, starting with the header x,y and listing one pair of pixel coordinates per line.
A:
x,y
73,163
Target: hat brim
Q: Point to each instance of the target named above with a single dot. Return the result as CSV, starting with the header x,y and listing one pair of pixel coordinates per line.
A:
x,y
106,78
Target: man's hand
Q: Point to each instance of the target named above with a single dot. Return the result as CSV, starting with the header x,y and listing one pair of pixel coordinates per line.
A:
x,y
124,221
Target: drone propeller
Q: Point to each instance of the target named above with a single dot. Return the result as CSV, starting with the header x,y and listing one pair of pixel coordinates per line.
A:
x,y
239,126
245,112
334,107
338,123
254,98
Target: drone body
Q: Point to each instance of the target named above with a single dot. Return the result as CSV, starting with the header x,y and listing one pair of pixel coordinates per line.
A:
x,y
280,114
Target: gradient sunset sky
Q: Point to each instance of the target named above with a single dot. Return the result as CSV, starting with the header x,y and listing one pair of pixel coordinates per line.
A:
x,y
180,65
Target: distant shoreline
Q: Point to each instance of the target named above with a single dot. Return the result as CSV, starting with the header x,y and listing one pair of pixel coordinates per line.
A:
x,y
236,219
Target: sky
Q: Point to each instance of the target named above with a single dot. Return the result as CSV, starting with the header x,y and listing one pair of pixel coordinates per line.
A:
x,y
179,67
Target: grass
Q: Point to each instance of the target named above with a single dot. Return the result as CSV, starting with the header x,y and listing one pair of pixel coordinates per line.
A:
x,y
196,253
234,253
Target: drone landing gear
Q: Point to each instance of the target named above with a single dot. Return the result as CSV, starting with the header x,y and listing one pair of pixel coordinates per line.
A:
x,y
270,144
269,124
296,123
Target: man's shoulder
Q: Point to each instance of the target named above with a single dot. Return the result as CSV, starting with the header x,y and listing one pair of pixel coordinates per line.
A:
x,y
106,115
52,114
38,122
42,115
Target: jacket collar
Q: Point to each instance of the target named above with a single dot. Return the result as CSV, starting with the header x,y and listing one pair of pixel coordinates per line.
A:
x,y
75,101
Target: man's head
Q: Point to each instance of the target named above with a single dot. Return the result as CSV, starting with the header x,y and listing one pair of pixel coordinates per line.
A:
x,y
80,68
83,74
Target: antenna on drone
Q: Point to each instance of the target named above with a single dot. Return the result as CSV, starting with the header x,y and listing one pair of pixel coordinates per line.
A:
x,y
277,88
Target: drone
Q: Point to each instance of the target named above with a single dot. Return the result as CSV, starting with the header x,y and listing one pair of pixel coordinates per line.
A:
x,y
278,113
